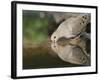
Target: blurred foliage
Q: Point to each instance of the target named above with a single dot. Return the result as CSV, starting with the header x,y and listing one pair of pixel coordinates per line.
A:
x,y
34,27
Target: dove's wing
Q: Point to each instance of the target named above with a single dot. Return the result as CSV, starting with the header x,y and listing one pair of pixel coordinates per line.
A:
x,y
79,23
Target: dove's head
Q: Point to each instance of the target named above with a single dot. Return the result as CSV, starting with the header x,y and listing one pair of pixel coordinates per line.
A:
x,y
55,36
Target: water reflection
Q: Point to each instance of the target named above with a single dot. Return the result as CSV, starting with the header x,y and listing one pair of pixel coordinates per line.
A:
x,y
71,53
52,55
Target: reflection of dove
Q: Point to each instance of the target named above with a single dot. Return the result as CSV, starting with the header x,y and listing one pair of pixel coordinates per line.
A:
x,y
71,27
70,53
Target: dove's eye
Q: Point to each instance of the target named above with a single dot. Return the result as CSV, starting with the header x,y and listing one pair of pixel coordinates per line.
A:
x,y
54,37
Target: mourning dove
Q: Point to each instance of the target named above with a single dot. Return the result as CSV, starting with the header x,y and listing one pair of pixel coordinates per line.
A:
x,y
71,27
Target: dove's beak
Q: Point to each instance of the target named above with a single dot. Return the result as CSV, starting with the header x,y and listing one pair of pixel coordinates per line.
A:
x,y
54,41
